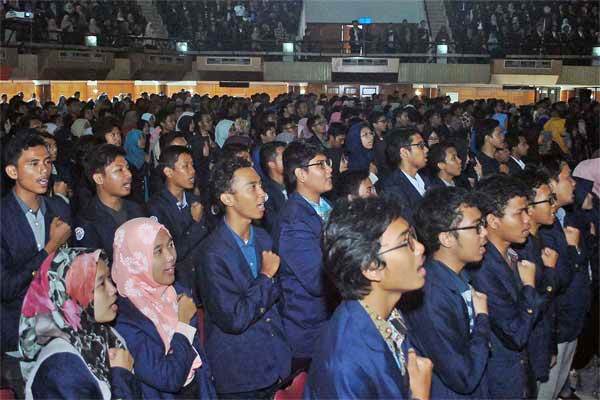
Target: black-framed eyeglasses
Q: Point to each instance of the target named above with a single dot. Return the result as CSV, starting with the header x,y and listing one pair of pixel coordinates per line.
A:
x,y
478,227
551,200
327,163
420,145
410,242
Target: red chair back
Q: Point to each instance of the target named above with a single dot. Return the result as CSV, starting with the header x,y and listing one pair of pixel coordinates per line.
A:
x,y
201,334
7,394
295,390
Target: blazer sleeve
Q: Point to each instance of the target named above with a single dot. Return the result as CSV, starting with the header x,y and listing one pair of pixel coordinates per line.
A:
x,y
347,381
15,279
64,376
233,308
164,372
512,321
90,237
460,366
564,272
301,251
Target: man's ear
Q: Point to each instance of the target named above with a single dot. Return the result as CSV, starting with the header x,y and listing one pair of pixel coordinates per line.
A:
x,y
446,239
98,178
227,199
492,221
11,171
168,171
301,175
373,273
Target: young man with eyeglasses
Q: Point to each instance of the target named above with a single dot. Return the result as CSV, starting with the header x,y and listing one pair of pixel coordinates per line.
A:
x,y
509,283
179,210
541,346
448,320
573,281
405,149
297,237
372,256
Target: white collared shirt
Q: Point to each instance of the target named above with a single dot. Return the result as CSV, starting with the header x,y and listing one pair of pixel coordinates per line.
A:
x,y
417,182
521,163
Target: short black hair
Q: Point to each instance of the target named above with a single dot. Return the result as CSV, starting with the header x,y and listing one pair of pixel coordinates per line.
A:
x,y
169,157
337,129
533,177
231,150
348,182
165,140
512,140
296,155
100,157
497,190
19,143
439,211
552,165
484,128
350,242
437,154
268,152
105,125
375,116
221,177
395,140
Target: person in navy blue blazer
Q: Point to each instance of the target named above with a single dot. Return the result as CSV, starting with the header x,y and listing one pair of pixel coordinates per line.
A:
x,y
33,226
240,289
157,316
572,274
542,347
448,320
373,258
107,168
177,208
509,283
353,184
297,238
488,138
271,163
444,167
407,150
518,146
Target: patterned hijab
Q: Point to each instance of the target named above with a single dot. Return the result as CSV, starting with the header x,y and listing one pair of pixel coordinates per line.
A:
x,y
133,255
59,304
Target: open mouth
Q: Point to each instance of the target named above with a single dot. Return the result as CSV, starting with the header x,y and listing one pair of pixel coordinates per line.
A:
x,y
43,182
170,270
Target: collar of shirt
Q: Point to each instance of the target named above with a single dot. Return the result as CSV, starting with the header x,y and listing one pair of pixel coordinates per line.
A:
x,y
448,184
417,182
183,203
520,162
322,208
238,240
560,216
25,208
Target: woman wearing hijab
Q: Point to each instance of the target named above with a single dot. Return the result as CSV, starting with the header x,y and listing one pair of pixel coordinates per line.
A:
x,y
359,148
137,158
156,315
223,130
68,349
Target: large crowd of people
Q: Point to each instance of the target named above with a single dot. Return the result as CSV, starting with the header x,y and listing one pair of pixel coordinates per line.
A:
x,y
525,27
394,246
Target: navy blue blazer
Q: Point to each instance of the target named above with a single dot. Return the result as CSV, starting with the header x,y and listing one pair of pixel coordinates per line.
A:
x,y
489,165
187,233
159,375
297,239
438,327
542,341
513,309
65,376
273,205
397,186
99,226
19,259
245,340
574,284
352,361
513,167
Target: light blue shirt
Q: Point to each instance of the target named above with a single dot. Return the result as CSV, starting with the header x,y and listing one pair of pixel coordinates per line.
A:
x,y
248,249
417,182
36,220
322,208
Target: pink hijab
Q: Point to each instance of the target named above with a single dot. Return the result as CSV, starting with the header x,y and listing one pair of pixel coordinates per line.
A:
x,y
133,255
